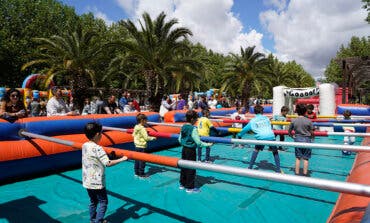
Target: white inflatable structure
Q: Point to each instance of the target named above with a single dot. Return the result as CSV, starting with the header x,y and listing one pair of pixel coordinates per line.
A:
x,y
284,96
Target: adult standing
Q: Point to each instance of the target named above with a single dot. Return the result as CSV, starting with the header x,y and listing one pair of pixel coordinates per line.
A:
x,y
202,104
190,102
180,103
212,103
166,105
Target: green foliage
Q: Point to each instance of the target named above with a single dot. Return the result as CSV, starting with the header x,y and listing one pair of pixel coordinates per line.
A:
x,y
160,53
245,71
69,56
367,7
82,51
298,76
356,47
22,20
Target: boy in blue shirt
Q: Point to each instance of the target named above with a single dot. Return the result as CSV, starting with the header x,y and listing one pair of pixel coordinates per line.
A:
x,y
261,126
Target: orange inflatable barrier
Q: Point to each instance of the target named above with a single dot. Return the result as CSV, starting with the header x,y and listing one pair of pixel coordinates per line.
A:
x,y
351,208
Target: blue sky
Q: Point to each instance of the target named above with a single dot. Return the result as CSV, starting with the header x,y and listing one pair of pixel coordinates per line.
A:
x,y
307,31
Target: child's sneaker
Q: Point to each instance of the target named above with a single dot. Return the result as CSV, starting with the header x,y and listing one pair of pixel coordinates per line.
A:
x,y
144,176
181,187
194,190
104,221
344,152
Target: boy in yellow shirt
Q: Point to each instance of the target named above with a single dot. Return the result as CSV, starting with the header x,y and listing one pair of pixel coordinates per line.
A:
x,y
141,139
205,126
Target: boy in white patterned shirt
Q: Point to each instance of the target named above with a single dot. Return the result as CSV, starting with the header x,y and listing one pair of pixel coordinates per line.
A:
x,y
94,161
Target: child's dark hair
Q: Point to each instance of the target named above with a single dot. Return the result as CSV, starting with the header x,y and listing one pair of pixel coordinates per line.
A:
x,y
347,113
205,112
284,109
91,129
300,109
310,107
191,116
140,117
258,109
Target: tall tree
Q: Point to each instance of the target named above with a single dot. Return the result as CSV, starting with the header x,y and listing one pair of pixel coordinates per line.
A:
x,y
69,57
243,71
20,21
298,77
160,50
276,73
357,47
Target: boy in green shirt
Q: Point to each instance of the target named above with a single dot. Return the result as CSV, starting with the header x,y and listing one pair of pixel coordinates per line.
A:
x,y
189,140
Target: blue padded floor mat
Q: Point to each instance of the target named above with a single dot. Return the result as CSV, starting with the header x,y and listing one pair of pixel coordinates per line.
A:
x,y
224,198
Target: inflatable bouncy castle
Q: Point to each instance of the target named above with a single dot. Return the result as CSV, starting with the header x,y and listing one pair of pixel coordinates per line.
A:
x,y
326,98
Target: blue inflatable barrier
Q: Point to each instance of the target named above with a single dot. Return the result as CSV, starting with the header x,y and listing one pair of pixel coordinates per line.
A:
x,y
267,109
355,110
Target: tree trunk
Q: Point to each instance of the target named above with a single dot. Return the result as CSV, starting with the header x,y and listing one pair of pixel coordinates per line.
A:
x,y
80,86
246,95
154,88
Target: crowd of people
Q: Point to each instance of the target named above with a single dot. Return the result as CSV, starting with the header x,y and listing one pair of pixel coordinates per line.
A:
x,y
13,106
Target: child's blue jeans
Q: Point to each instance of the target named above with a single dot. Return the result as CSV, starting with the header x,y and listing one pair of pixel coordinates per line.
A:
x,y
139,165
208,153
98,197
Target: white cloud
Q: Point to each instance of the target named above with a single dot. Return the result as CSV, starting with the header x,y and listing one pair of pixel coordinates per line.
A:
x,y
311,31
279,4
212,22
127,5
100,15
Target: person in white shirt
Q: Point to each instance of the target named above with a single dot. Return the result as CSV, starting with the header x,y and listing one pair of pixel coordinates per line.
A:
x,y
166,105
238,115
190,102
56,105
212,103
87,110
129,107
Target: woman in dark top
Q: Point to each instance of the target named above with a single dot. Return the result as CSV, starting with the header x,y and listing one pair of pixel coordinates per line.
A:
x,y
12,107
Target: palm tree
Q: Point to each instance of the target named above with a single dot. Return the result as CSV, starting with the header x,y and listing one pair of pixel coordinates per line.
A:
x,y
298,77
69,57
276,72
161,53
244,71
